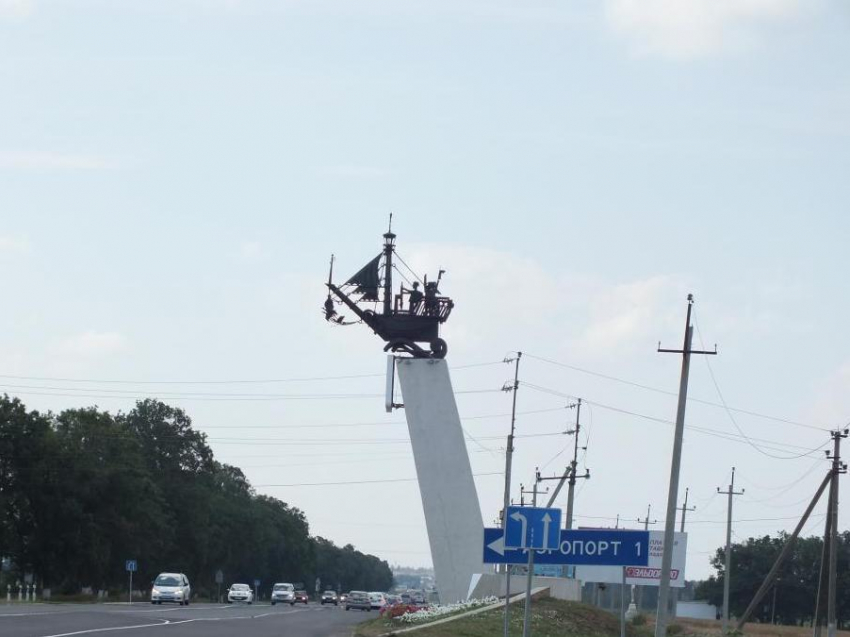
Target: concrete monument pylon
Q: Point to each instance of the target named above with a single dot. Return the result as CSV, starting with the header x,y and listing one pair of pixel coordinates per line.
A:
x,y
449,498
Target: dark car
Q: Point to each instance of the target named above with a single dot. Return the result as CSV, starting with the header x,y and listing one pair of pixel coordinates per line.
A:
x,y
358,599
330,597
301,596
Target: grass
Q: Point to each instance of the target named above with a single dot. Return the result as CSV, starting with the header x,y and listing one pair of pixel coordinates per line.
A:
x,y
710,628
555,618
549,618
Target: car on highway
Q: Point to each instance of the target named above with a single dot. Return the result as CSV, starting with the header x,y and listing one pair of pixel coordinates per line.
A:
x,y
378,599
284,593
343,597
330,597
240,593
171,587
359,600
300,597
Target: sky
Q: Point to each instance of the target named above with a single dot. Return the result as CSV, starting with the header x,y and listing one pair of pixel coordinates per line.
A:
x,y
174,176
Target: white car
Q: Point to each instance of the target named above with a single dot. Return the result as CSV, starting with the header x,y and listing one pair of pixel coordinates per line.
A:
x,y
378,600
171,587
240,593
284,593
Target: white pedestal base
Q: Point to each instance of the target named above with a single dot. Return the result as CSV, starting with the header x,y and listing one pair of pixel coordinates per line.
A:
x,y
449,499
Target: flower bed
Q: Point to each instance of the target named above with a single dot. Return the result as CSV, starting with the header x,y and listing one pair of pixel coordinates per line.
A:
x,y
409,614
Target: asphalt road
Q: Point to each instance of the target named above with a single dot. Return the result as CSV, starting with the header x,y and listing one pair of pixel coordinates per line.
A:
x,y
197,620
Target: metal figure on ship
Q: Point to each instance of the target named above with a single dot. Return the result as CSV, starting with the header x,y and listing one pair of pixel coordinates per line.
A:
x,y
403,320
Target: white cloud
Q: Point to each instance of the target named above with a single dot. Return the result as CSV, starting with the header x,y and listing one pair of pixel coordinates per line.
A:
x,y
507,298
47,160
685,29
16,8
831,406
353,171
629,315
93,344
14,245
252,251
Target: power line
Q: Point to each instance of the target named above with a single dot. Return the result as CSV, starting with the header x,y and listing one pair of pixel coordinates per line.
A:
x,y
297,379
669,393
729,412
705,430
347,482
199,396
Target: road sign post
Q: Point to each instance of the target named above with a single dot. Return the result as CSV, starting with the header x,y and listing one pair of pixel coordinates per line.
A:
x,y
130,566
219,578
256,589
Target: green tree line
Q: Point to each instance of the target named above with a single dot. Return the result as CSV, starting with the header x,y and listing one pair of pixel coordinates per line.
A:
x,y
797,585
84,490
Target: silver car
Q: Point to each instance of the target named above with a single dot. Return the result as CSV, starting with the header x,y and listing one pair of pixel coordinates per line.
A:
x,y
284,593
171,587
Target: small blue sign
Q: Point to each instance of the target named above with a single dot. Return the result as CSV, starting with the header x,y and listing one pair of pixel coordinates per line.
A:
x,y
130,566
256,584
532,528
597,547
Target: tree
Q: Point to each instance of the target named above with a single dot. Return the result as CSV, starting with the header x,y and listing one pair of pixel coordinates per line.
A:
x,y
83,491
796,585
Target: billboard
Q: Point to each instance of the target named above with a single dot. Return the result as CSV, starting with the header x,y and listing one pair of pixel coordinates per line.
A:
x,y
647,575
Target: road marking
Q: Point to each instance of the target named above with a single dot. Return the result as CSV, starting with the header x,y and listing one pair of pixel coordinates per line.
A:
x,y
174,622
90,631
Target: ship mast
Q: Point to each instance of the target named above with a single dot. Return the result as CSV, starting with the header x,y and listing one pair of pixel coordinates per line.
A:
x,y
389,239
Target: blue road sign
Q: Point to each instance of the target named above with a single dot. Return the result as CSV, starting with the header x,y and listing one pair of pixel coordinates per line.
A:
x,y
130,566
532,528
599,547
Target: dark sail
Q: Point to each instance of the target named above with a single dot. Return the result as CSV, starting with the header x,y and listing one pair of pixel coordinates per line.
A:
x,y
367,280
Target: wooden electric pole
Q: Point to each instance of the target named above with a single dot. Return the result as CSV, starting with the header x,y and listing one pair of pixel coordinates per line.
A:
x,y
508,461
684,509
727,574
837,470
673,491
646,522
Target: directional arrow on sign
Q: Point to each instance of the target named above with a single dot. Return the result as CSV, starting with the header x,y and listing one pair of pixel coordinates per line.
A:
x,y
532,528
547,519
519,517
498,546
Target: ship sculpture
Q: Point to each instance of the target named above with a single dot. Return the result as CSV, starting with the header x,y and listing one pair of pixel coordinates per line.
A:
x,y
405,319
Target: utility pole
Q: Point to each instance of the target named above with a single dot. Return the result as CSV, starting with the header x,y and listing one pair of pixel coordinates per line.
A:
x,y
786,550
573,469
673,492
684,509
837,469
508,460
646,522
823,572
727,575
526,626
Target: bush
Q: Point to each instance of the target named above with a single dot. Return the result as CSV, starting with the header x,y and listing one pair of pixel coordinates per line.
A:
x,y
675,629
639,620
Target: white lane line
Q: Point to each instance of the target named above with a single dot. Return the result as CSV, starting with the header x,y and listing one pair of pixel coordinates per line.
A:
x,y
173,622
32,614
90,631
